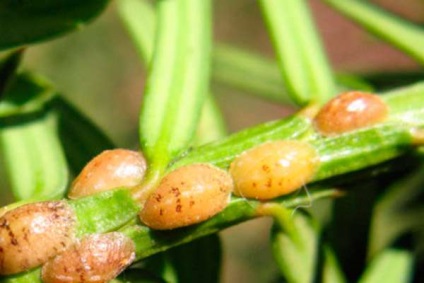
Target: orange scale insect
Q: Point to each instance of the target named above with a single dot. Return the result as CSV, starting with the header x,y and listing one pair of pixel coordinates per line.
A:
x,y
31,234
186,196
109,170
97,258
350,111
273,169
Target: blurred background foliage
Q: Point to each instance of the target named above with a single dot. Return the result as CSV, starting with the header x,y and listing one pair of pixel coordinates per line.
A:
x,y
98,70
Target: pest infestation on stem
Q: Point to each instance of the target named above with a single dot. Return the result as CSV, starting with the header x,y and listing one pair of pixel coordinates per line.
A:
x,y
187,195
126,205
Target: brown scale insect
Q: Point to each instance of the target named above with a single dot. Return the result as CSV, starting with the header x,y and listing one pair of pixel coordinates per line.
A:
x,y
109,170
350,111
97,258
273,169
33,233
188,195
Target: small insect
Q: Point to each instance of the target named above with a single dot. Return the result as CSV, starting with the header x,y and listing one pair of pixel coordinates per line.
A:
x,y
109,170
188,195
31,234
273,169
96,258
350,111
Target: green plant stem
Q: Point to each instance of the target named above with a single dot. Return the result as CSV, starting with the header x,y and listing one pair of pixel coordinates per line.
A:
x,y
400,33
221,153
149,242
303,64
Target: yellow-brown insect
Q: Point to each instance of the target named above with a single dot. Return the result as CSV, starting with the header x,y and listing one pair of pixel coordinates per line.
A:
x,y
273,169
96,258
187,195
350,111
33,233
108,170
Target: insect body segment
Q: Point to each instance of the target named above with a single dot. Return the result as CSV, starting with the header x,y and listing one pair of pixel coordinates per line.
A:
x,y
273,169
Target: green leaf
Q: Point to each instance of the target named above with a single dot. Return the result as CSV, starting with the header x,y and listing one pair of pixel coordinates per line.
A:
x,y
296,257
211,125
26,94
29,142
30,21
391,266
139,18
397,212
331,271
396,31
178,81
303,63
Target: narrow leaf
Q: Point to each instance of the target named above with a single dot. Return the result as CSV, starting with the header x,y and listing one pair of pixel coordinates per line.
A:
x,y
139,18
331,270
400,33
303,64
29,143
391,266
178,80
296,258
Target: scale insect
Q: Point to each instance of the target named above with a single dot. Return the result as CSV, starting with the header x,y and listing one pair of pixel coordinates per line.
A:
x,y
94,259
273,169
188,195
350,111
109,170
31,234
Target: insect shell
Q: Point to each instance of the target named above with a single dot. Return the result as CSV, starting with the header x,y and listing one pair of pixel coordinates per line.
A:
x,y
96,258
350,111
33,233
273,169
188,195
108,170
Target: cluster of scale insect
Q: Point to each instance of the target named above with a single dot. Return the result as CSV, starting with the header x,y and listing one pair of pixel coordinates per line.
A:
x,y
186,196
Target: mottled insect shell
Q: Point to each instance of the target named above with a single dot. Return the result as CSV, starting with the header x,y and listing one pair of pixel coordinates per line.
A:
x,y
273,169
96,258
186,196
350,111
31,234
108,170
